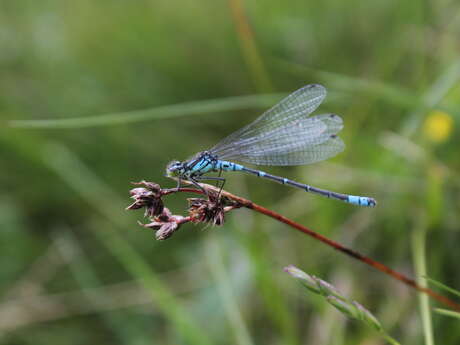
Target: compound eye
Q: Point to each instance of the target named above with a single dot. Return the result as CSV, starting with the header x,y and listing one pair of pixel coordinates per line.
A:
x,y
175,166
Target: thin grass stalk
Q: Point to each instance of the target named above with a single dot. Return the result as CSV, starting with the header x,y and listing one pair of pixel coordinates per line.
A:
x,y
249,48
418,253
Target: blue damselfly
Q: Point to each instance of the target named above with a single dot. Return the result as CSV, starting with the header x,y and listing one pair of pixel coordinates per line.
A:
x,y
283,135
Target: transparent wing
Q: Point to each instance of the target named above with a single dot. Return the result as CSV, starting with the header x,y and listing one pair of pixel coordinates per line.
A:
x,y
306,155
297,105
303,141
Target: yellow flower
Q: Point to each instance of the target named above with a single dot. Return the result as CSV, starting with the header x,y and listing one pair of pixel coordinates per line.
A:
x,y
438,126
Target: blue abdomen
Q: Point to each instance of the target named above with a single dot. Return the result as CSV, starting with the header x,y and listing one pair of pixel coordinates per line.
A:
x,y
228,166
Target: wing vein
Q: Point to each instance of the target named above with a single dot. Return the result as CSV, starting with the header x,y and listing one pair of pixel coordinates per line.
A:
x,y
285,134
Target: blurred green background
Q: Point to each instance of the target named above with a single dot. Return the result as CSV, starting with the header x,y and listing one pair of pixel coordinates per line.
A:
x,y
146,82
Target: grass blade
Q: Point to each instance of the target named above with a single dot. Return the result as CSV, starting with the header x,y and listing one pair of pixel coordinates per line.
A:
x,y
156,113
447,312
443,286
418,253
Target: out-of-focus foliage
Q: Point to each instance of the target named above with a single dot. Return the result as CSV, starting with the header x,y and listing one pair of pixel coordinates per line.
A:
x,y
76,268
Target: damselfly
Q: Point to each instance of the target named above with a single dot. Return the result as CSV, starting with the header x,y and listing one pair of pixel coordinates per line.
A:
x,y
283,135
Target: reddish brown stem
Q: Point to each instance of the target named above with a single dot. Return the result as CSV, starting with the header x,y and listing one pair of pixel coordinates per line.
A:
x,y
375,264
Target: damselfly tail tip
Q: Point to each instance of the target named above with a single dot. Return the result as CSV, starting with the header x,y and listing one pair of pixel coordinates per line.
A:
x,y
361,201
372,202
366,201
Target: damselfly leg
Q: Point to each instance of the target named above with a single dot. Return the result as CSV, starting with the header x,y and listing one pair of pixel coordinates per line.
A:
x,y
212,178
178,183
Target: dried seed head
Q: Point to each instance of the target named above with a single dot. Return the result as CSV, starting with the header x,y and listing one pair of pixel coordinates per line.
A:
x,y
206,211
154,187
148,197
166,230
165,224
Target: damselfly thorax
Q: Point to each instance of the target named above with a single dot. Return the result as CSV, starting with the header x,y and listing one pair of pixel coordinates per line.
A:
x,y
206,162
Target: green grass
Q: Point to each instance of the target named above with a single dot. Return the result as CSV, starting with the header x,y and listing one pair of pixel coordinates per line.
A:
x,y
172,78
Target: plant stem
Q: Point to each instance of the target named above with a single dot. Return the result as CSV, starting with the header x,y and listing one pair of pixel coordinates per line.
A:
x,y
350,252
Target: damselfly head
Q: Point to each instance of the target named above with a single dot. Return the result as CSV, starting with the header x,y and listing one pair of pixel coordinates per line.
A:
x,y
174,169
